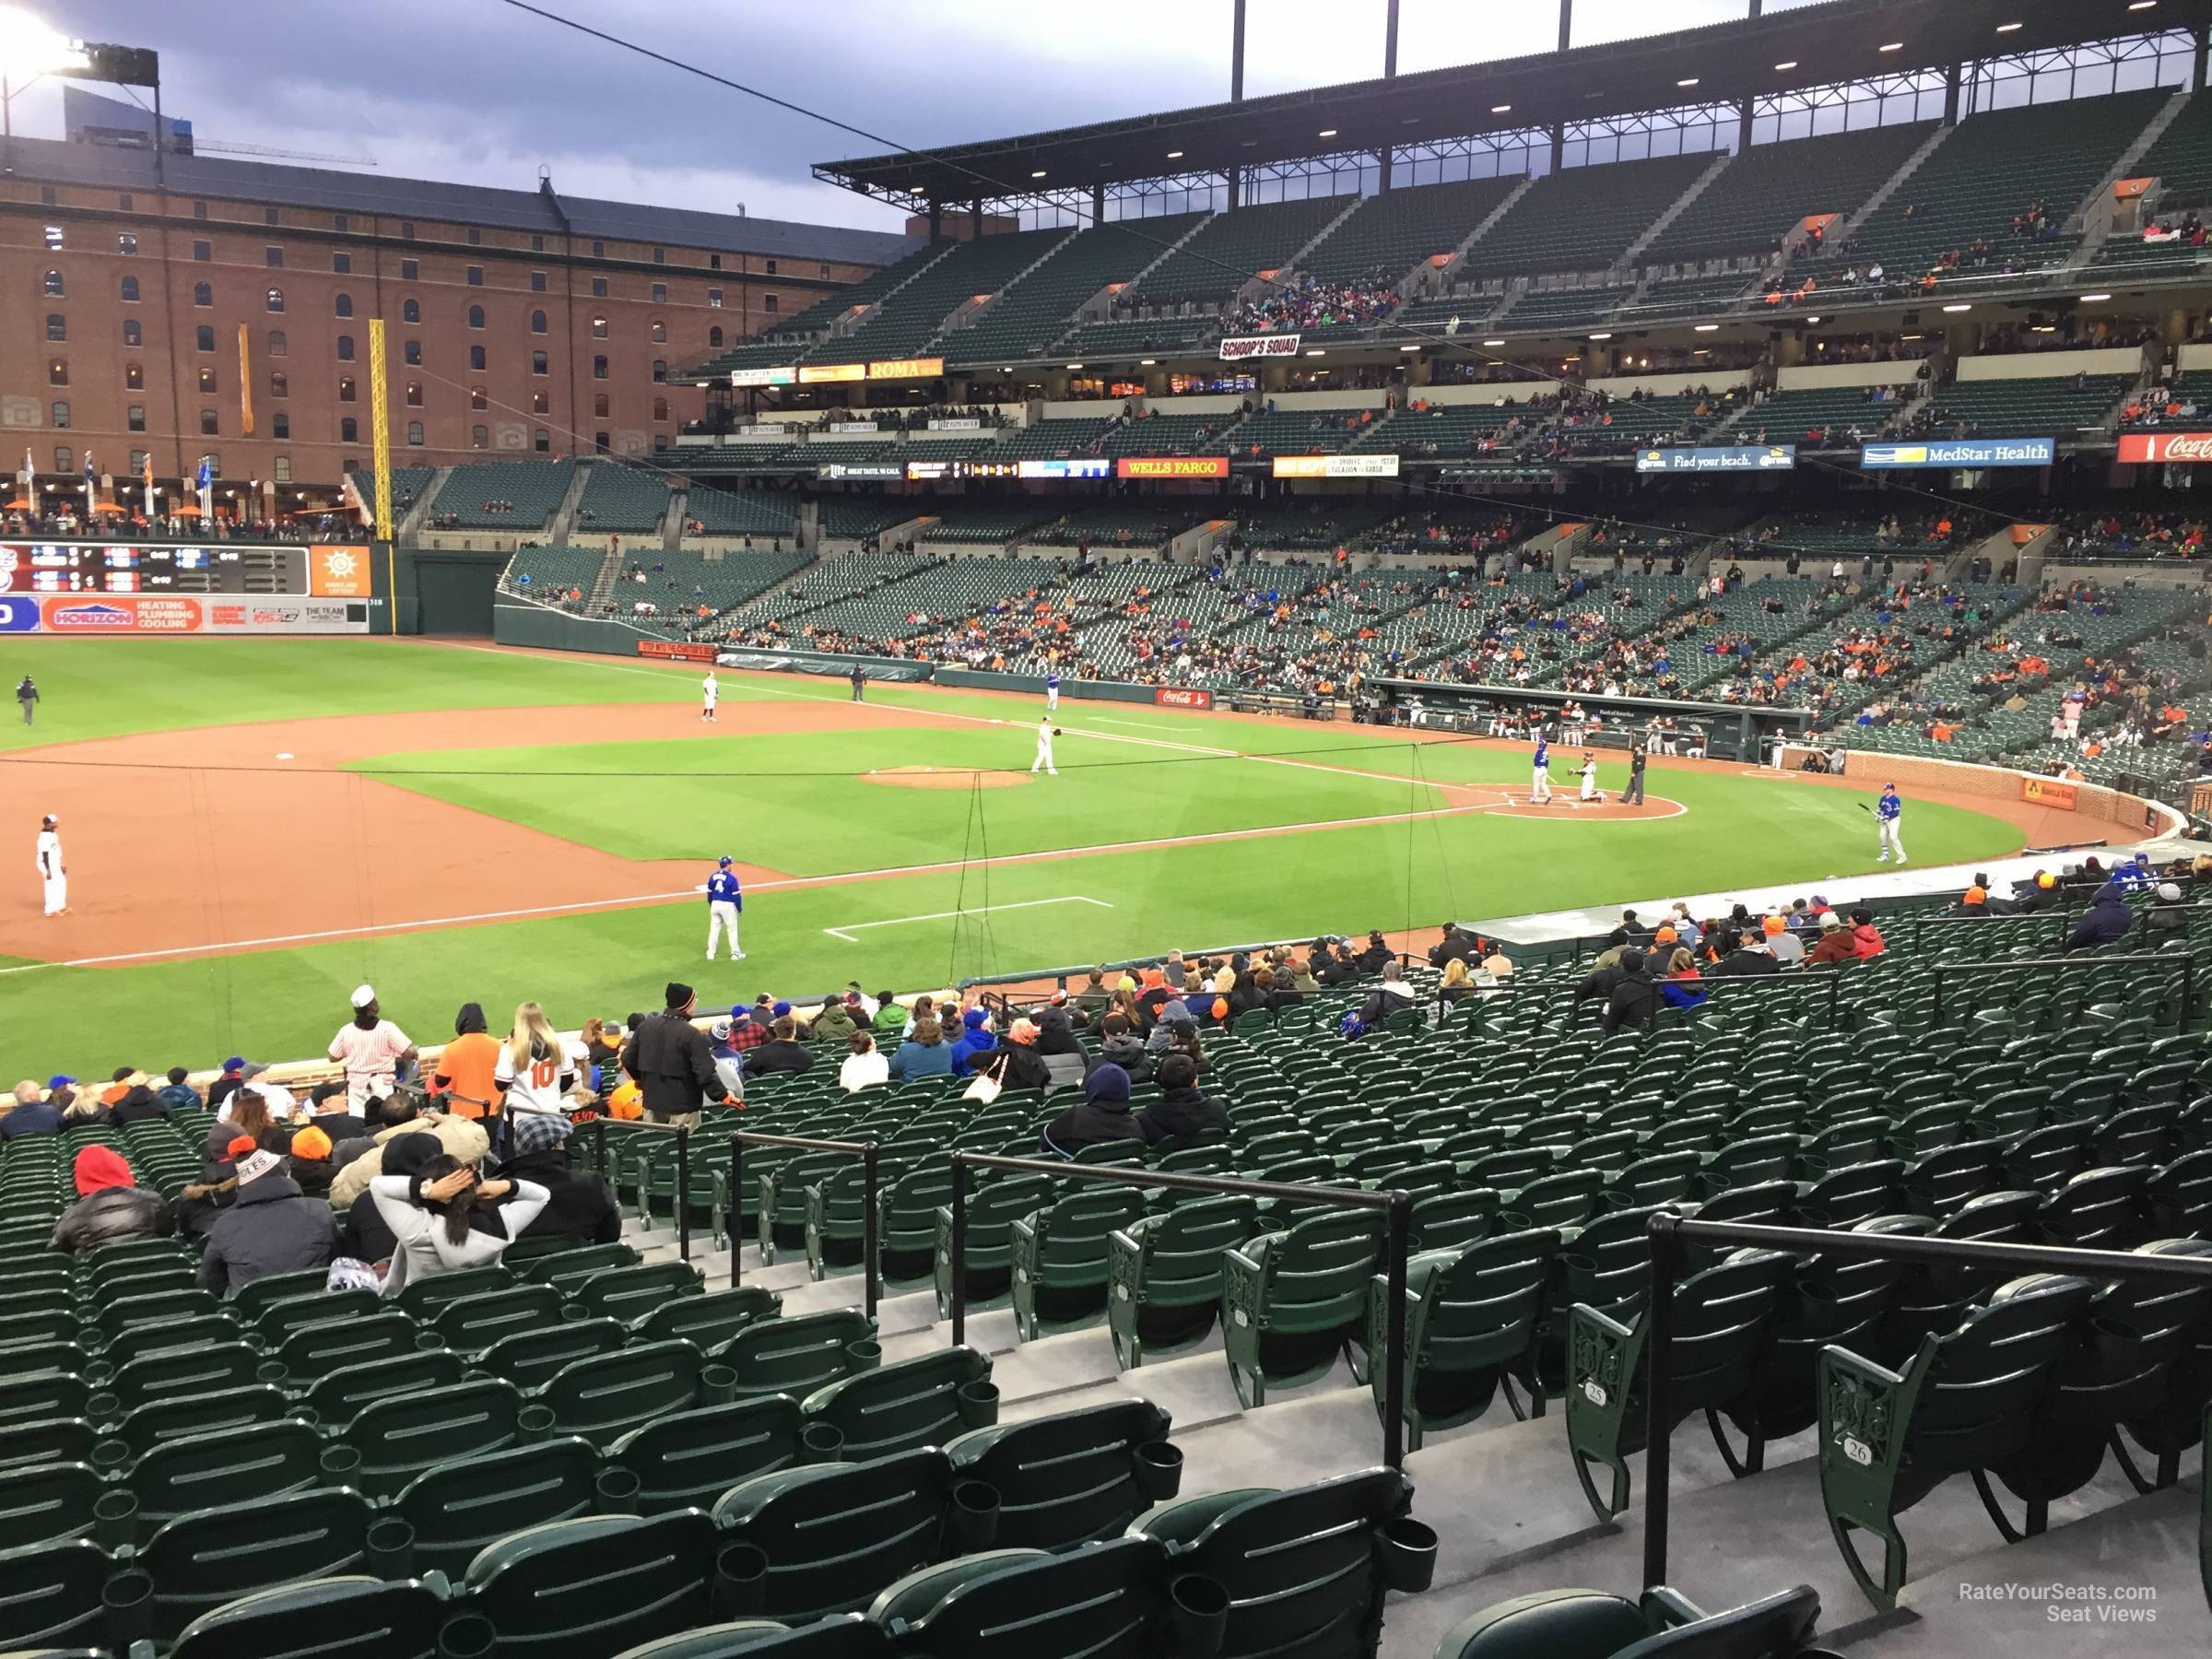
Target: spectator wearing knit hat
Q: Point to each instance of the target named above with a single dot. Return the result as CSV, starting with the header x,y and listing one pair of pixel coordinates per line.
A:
x,y
1788,948
271,1227
673,1061
110,1205
975,1038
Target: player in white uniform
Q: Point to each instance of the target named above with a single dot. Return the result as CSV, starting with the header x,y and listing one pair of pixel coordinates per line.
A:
x,y
709,694
1045,733
51,870
1588,776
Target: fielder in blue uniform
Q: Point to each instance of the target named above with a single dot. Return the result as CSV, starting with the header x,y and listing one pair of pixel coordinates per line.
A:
x,y
725,901
1052,690
1890,811
1539,783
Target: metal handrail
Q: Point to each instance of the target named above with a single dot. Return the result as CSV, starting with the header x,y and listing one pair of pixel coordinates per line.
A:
x,y
1667,1235
2164,959
863,1150
682,1174
1396,1205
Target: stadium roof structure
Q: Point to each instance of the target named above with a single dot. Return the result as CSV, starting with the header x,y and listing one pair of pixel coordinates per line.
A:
x,y
1833,44
131,167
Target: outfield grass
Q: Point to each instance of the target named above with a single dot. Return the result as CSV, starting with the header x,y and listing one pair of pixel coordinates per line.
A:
x,y
720,793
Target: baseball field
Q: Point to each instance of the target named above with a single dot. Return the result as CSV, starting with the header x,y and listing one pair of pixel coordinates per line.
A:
x,y
252,827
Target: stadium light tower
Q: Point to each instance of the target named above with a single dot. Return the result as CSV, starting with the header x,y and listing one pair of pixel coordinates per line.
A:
x,y
30,47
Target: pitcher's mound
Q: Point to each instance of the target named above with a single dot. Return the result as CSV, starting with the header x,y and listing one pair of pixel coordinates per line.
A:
x,y
945,777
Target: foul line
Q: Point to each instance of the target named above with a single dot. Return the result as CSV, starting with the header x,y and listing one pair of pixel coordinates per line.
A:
x,y
850,928
840,879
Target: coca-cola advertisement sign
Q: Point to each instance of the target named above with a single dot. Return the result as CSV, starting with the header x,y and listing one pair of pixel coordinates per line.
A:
x,y
2168,447
1179,697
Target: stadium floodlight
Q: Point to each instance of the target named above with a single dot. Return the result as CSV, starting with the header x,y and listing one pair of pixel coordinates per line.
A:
x,y
1786,64
1146,362
1812,319
2141,4
1038,175
1891,46
31,46
1315,351
2094,299
1075,365
1690,80
1327,132
1601,337
2007,28
1501,109
1493,342
1409,348
1707,328
1174,155
1960,306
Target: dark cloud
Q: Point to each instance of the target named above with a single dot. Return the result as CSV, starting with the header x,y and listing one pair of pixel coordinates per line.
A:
x,y
477,91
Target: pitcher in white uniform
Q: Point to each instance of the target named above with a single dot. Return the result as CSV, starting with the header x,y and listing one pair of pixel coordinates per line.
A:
x,y
51,870
710,693
1045,733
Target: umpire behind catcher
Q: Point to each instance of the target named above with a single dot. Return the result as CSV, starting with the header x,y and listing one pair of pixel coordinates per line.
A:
x,y
674,1064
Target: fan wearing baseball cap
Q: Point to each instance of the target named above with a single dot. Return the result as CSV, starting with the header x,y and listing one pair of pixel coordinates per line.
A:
x,y
271,1226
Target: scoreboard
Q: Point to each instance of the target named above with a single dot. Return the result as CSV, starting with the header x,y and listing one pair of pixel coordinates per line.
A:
x,y
102,567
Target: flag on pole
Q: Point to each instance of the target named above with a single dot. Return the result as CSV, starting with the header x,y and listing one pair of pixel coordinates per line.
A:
x,y
148,477
205,481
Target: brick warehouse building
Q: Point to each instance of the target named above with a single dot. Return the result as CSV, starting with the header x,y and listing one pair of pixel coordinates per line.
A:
x,y
516,321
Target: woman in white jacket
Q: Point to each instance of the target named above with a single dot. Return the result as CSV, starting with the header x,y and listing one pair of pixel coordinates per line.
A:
x,y
428,1213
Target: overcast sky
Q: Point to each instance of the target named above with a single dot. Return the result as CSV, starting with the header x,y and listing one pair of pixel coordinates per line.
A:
x,y
478,92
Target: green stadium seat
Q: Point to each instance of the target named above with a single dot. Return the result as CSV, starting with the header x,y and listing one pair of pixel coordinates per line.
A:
x,y
687,1459
50,1597
1965,1401
604,1397
630,1293
1074,1477
470,1325
1592,1624
920,1402
799,1356
1116,1600
708,1320
1471,1323
529,1359
351,1617
1165,1274
833,1537
1305,1567
1292,1302
339,1397
595,1584
460,1507
1723,1316
1060,1257
200,1560
197,1471
45,1505
397,1439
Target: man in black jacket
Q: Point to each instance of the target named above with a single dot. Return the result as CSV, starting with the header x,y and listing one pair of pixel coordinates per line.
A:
x,y
1633,996
1455,947
674,1064
1181,1112
582,1206
270,1227
1751,958
1121,1046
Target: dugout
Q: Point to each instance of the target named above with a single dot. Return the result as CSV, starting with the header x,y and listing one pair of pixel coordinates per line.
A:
x,y
1731,731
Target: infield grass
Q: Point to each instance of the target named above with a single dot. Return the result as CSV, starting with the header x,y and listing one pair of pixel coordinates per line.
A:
x,y
793,804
